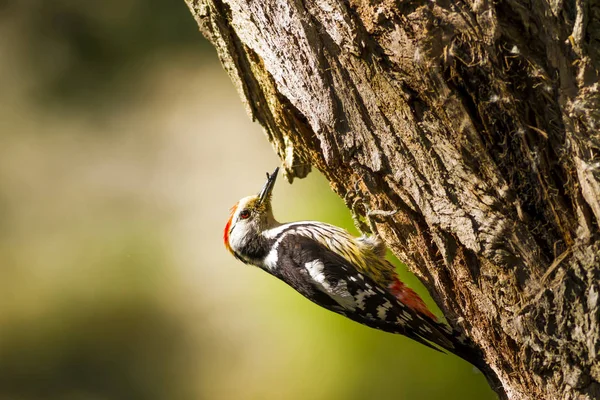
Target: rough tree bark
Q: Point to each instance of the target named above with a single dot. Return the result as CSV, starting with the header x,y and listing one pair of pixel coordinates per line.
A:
x,y
478,120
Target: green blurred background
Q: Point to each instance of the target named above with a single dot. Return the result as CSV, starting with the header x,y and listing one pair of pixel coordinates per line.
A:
x,y
122,146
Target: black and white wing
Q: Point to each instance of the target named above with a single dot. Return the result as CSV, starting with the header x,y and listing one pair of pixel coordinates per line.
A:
x,y
333,282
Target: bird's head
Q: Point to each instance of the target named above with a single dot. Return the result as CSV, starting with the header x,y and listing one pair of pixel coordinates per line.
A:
x,y
249,217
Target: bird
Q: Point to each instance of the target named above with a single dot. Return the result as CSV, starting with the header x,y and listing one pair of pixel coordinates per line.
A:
x,y
340,272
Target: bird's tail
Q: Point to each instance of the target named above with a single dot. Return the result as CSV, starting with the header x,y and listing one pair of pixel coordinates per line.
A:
x,y
462,346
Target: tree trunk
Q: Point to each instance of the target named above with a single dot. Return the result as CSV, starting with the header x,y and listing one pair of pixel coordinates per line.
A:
x,y
478,121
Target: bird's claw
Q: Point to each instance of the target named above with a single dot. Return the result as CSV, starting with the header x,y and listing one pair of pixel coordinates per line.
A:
x,y
363,217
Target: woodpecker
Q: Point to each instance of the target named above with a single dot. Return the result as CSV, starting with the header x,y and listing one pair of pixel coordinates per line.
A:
x,y
337,271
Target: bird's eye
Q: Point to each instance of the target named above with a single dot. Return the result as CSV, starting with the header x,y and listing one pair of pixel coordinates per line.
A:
x,y
244,214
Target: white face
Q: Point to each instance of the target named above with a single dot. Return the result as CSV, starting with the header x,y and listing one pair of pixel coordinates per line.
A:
x,y
243,223
250,218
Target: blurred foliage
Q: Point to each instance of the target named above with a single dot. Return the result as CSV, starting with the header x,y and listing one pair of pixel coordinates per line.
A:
x,y
122,146
83,53
109,351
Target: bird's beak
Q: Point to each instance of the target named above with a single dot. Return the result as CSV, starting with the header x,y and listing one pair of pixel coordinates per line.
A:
x,y
266,191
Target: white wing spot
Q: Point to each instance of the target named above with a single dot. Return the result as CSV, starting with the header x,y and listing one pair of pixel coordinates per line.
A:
x,y
383,309
360,297
315,269
339,293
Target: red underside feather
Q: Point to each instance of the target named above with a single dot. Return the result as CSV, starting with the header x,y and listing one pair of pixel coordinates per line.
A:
x,y
408,296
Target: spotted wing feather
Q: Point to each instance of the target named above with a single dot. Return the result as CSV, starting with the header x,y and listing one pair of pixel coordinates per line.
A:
x,y
334,283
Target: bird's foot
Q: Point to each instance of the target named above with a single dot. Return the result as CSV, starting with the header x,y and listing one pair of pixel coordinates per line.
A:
x,y
364,218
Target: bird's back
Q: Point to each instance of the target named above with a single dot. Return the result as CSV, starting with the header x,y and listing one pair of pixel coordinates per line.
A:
x,y
367,253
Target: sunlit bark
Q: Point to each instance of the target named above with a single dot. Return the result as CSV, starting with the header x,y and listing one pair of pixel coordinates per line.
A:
x,y
478,121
